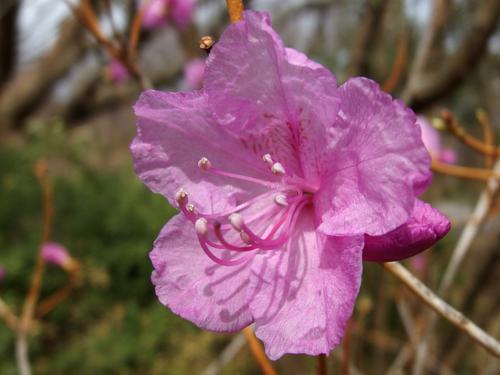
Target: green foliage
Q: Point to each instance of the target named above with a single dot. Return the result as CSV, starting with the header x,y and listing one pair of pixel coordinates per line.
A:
x,y
112,321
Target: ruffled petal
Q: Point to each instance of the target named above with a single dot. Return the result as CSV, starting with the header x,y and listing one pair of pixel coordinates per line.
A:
x,y
275,98
193,286
425,227
302,296
377,164
175,130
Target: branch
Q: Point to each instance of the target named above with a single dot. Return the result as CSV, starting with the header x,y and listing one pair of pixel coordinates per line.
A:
x,y
425,88
442,308
258,353
27,89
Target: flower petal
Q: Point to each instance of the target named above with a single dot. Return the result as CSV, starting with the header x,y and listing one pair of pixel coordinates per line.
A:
x,y
175,130
193,286
276,98
377,164
302,296
425,227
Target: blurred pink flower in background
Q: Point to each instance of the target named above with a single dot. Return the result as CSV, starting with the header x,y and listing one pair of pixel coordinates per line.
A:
x,y
286,182
117,72
56,254
194,71
433,143
157,13
2,274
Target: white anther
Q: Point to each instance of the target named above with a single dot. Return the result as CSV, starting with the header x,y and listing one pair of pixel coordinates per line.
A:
x,y
204,163
190,207
236,221
181,197
245,237
268,159
201,226
278,169
280,200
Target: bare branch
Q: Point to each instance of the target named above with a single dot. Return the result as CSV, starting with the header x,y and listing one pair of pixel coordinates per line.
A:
x,y
442,308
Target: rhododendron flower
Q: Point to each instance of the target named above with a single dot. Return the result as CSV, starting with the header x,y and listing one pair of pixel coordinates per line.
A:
x,y
157,13
117,72
194,72
285,182
57,255
432,140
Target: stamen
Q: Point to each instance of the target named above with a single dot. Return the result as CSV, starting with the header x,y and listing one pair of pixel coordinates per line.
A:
x,y
281,200
235,220
245,238
278,169
181,197
204,163
223,262
201,226
268,159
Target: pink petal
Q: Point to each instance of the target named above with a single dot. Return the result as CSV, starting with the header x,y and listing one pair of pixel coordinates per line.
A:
x,y
193,286
155,13
194,71
275,98
378,164
430,136
302,296
182,12
175,130
425,227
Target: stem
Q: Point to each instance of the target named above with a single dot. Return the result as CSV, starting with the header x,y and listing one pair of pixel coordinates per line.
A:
x,y
442,308
464,172
36,281
235,10
321,367
256,349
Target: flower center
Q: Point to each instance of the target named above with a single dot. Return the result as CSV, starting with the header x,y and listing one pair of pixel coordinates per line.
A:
x,y
264,222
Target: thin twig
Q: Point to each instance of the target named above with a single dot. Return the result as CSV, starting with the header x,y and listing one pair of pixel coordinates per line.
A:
x,y
443,309
230,351
464,172
346,346
7,315
488,135
321,368
461,134
235,10
399,65
49,303
258,353
36,281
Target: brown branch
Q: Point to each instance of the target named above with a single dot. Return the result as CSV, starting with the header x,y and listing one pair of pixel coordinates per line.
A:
x,y
235,10
8,316
258,353
442,308
489,136
399,65
424,88
461,134
36,281
321,365
464,172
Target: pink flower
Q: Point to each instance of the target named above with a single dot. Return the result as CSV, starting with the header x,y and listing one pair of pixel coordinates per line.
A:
x,y
285,182
57,255
158,12
117,72
432,141
194,71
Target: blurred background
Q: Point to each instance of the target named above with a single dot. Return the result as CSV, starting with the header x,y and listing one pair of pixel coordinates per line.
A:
x,y
65,126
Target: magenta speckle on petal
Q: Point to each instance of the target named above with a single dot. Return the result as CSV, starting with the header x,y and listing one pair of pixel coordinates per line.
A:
x,y
285,182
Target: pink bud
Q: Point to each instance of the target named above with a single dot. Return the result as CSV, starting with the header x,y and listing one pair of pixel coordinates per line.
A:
x,y
117,72
55,254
